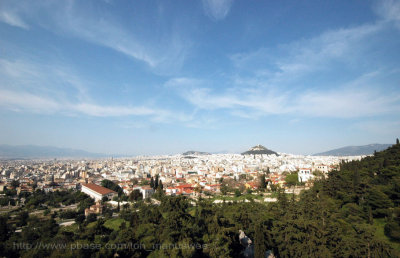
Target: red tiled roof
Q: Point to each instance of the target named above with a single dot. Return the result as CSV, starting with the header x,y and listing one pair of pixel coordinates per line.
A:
x,y
99,189
184,186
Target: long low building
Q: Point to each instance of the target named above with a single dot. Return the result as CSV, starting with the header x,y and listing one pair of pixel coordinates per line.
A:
x,y
97,192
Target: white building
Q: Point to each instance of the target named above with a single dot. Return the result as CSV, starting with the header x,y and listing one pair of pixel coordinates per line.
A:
x,y
97,192
146,191
305,174
322,168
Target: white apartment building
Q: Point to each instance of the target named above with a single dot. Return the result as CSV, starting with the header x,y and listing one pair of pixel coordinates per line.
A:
x,y
305,174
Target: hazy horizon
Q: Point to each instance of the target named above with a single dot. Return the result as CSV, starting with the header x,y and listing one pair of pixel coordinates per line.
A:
x,y
164,77
178,153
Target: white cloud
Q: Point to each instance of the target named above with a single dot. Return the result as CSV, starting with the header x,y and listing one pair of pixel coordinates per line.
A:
x,y
54,89
217,9
12,19
107,111
346,101
291,61
282,76
20,101
164,52
389,10
24,101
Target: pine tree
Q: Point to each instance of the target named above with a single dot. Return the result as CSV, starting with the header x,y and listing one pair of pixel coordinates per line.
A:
x,y
259,245
156,182
263,184
397,141
152,183
356,179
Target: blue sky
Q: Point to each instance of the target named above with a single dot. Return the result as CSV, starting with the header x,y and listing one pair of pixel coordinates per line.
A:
x,y
163,77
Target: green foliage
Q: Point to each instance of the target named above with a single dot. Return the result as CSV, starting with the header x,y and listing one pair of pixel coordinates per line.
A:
x,y
392,230
237,193
292,179
263,183
135,195
22,218
113,186
91,218
7,201
80,218
5,229
68,214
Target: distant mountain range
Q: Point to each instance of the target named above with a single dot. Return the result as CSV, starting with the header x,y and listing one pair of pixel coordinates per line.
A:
x,y
195,153
36,152
355,150
259,149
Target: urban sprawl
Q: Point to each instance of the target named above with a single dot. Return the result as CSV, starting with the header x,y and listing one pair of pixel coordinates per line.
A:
x,y
190,175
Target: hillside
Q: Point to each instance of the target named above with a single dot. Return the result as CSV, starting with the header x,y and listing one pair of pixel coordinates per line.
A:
x,y
355,150
195,153
259,149
369,190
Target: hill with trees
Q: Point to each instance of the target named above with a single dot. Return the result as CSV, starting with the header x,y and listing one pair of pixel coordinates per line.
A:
x,y
259,149
355,150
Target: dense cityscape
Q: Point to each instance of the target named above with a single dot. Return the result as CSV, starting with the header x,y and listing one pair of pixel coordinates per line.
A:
x,y
179,174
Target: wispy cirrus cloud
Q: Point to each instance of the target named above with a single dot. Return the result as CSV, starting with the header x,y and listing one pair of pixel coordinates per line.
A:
x,y
163,53
389,10
345,101
280,80
292,61
7,16
217,9
53,89
22,101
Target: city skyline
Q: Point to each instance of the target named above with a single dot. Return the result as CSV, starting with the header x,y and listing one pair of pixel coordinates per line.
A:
x,y
159,77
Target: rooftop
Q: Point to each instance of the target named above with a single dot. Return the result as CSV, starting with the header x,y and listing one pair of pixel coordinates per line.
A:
x,y
99,189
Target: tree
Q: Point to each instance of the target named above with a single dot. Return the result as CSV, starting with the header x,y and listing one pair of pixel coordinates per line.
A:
x,y
4,228
22,218
397,141
263,183
292,179
273,187
135,195
259,242
14,184
237,193
80,219
152,182
224,189
156,182
113,186
91,217
392,230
